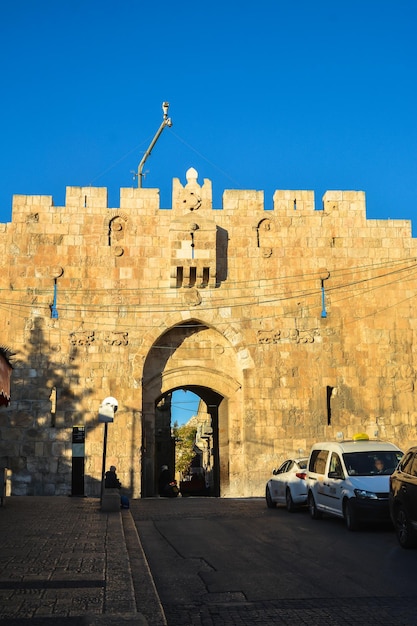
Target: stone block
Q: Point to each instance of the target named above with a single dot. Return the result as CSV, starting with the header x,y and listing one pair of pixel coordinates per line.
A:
x,y
110,501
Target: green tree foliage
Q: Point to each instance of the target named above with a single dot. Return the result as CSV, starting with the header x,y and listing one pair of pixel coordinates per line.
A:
x,y
184,446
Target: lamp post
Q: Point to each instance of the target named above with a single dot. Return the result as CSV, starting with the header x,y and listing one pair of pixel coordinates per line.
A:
x,y
106,413
166,121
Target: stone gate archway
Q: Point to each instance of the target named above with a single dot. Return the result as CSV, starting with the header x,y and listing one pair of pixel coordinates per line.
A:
x,y
210,440
194,356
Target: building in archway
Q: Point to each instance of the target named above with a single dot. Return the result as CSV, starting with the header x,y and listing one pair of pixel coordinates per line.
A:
x,y
292,325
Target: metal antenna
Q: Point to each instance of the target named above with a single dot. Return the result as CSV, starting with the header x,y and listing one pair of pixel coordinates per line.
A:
x,y
165,122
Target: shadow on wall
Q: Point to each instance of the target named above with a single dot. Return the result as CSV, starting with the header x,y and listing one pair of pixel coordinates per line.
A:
x,y
36,429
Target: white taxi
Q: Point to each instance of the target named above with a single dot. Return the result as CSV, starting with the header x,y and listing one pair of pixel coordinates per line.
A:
x,y
350,479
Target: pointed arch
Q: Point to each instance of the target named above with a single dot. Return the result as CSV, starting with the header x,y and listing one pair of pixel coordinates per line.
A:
x,y
195,355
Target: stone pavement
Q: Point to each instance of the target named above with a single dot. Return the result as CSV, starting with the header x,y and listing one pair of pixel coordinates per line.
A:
x,y
206,602
64,561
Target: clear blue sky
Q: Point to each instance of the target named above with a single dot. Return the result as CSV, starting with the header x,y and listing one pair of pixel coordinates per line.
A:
x,y
183,406
264,95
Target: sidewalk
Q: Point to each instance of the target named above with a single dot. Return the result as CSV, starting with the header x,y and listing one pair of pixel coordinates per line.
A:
x,y
63,561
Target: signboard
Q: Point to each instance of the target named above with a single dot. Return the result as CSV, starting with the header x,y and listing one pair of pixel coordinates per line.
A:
x,y
78,434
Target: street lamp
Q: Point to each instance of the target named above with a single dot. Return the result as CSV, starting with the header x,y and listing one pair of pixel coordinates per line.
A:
x,y
106,413
166,121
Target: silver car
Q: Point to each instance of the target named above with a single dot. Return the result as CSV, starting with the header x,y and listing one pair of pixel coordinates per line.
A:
x,y
288,484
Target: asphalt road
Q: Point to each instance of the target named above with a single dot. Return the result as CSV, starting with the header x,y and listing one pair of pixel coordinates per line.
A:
x,y
233,561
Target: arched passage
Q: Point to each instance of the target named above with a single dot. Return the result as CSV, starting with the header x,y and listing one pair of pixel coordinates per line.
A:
x,y
192,356
209,440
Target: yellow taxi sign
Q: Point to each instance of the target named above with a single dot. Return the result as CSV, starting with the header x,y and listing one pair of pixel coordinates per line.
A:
x,y
360,437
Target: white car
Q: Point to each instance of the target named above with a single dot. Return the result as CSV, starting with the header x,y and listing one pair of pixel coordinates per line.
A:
x,y
350,479
288,485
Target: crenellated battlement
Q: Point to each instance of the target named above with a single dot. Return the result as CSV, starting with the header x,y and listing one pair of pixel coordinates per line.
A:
x,y
199,236
191,197
88,198
195,244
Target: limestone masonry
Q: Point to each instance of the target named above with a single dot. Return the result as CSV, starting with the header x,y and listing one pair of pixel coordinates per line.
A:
x,y
292,325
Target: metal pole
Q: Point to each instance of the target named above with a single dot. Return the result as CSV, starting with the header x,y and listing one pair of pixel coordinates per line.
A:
x,y
165,122
103,468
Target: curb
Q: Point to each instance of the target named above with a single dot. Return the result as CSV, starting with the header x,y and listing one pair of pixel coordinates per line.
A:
x,y
145,592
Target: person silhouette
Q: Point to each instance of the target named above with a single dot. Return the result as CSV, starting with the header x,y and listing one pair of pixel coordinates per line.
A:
x,y
163,480
379,466
110,479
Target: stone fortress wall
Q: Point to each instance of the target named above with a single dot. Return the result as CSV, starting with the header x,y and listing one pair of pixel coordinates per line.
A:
x,y
299,323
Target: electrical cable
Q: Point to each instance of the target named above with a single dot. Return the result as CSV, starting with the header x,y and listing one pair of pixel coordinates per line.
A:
x,y
110,167
205,158
214,304
231,285
288,314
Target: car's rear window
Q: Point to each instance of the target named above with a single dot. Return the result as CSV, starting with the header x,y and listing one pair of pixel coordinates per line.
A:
x,y
371,463
302,464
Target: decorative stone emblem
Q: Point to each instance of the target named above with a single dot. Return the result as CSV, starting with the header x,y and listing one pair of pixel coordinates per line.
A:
x,y
191,200
192,297
87,337
116,339
82,338
293,335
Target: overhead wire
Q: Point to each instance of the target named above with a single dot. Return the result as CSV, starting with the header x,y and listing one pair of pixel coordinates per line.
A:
x,y
20,309
231,285
110,167
109,324
145,142
212,303
204,157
